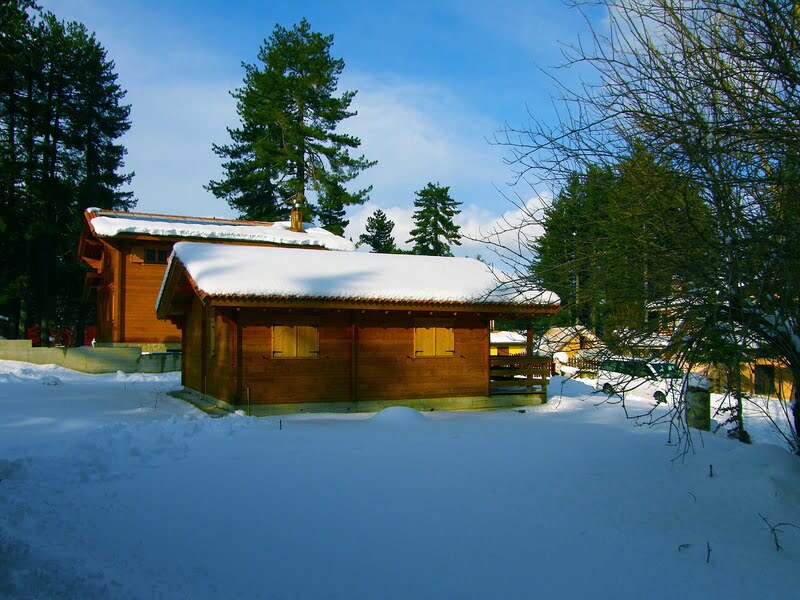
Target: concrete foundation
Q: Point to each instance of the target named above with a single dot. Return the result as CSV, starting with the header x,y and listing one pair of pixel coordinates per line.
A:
x,y
92,360
215,406
144,346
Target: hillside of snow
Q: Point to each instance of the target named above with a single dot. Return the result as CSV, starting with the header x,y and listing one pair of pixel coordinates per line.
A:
x,y
110,488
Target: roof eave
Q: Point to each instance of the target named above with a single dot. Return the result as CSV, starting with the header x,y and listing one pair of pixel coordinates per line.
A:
x,y
174,274
365,304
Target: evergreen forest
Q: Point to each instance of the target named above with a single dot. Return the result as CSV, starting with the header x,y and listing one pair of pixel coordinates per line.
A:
x,y
62,114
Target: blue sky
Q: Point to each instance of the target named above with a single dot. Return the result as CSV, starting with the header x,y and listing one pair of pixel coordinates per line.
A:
x,y
434,81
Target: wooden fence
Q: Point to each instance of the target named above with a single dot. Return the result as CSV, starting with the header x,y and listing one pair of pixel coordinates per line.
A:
x,y
519,374
585,365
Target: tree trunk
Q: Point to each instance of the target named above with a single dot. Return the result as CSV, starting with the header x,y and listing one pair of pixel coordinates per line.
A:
x,y
43,268
24,291
80,325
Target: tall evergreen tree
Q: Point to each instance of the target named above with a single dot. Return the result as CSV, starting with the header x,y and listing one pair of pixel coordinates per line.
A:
x,y
434,229
287,143
331,209
567,252
379,233
61,114
616,238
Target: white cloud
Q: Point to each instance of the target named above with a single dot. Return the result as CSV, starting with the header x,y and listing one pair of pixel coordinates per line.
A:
x,y
178,87
169,144
422,133
504,238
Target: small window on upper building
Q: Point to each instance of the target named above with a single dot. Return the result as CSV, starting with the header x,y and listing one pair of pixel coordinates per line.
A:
x,y
295,341
155,256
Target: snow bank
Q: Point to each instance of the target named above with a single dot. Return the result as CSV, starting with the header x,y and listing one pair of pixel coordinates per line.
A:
x,y
111,489
398,415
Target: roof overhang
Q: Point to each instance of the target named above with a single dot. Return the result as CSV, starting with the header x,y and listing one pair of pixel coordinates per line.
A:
x,y
178,290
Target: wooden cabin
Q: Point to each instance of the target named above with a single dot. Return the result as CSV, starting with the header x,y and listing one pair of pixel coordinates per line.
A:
x,y
507,343
345,331
569,340
765,375
127,253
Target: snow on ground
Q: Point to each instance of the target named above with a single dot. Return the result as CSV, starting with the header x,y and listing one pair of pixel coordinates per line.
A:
x,y
109,488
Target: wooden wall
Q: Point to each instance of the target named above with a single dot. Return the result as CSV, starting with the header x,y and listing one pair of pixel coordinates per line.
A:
x,y
127,297
141,284
782,380
107,305
282,380
387,369
219,351
362,356
192,355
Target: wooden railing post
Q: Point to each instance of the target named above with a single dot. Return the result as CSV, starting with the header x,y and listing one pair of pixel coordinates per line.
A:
x,y
529,353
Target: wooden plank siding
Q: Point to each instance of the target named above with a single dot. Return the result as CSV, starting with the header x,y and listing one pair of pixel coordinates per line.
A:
x,y
363,356
219,351
388,370
140,285
326,378
129,287
192,372
107,305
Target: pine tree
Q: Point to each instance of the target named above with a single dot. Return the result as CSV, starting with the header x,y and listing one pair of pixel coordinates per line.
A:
x,y
379,233
434,229
615,239
61,114
331,211
287,142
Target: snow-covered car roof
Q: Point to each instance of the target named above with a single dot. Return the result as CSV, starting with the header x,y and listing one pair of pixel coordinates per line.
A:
x,y
109,223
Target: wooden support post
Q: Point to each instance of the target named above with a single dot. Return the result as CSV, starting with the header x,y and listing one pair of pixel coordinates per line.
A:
x,y
529,353
354,357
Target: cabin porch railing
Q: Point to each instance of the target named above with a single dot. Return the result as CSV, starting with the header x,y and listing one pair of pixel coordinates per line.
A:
x,y
520,374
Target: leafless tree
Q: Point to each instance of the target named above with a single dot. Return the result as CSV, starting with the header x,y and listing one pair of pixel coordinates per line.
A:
x,y
711,87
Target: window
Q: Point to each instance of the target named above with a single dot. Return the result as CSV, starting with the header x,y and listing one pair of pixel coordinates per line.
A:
x,y
154,256
433,341
667,370
295,341
764,380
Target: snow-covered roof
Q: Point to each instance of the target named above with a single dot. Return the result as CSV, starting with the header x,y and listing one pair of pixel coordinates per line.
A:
x,y
556,338
654,341
289,273
507,337
113,223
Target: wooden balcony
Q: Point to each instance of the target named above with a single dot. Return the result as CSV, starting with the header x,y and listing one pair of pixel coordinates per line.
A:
x,y
519,375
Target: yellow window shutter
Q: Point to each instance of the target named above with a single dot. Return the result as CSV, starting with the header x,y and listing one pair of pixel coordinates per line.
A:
x,y
445,341
424,341
307,341
284,342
